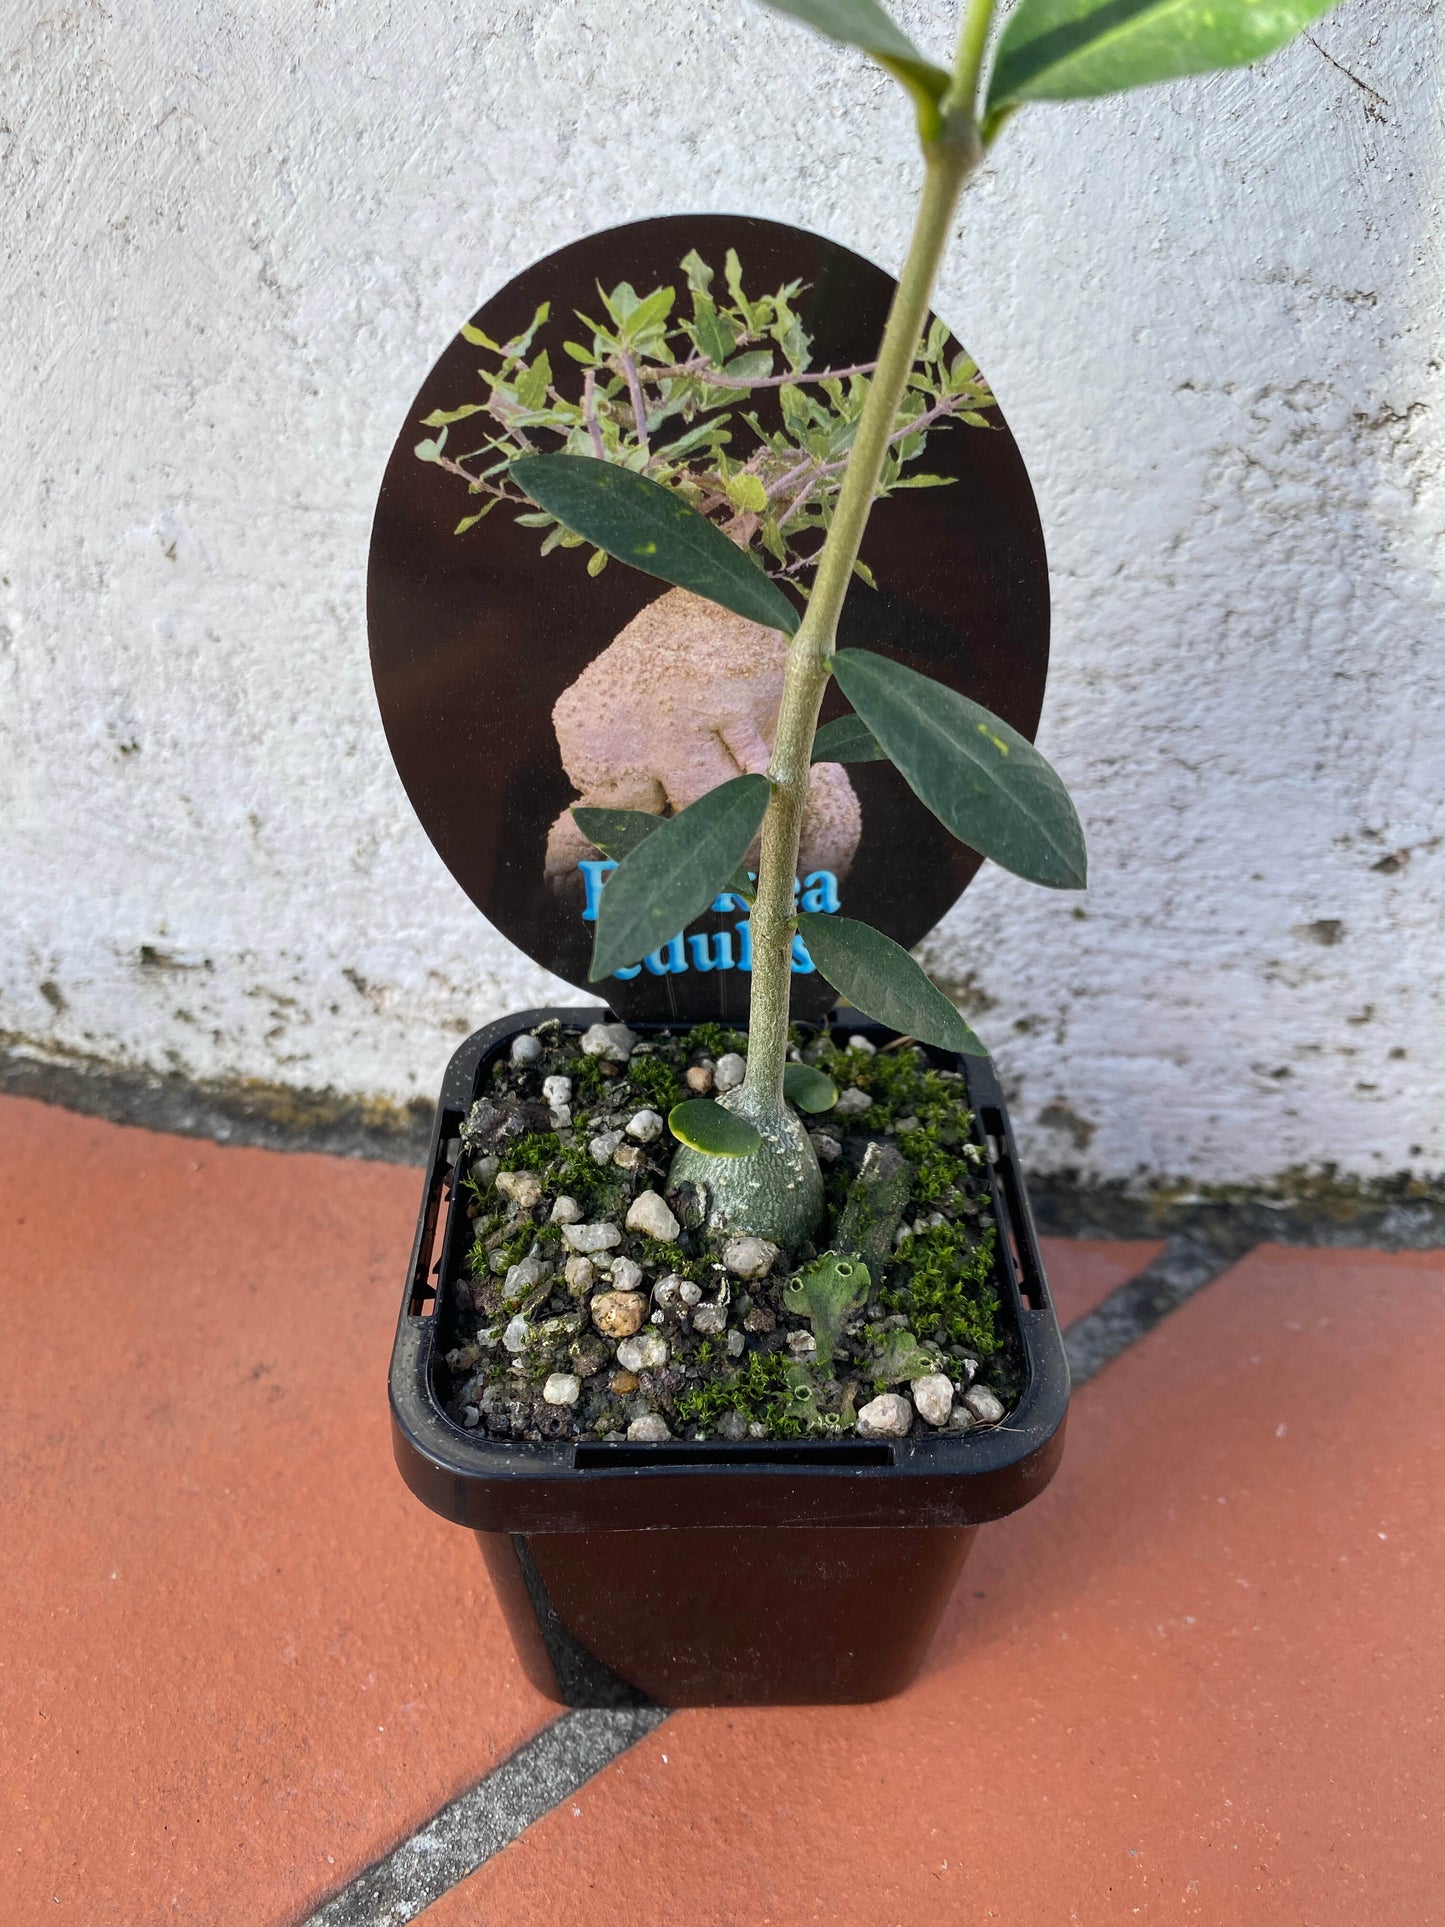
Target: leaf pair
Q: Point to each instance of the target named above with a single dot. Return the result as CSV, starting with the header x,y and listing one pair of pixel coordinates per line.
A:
x,y
1073,49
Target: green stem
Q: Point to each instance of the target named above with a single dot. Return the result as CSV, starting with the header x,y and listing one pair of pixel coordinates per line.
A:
x,y
949,161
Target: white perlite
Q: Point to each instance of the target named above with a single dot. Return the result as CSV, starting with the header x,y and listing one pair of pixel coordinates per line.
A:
x,y
749,1257
648,1430
649,1214
729,1071
645,1126
525,1049
645,1353
613,1042
566,1211
886,1417
588,1238
626,1274
603,1145
562,1388
556,1090
933,1398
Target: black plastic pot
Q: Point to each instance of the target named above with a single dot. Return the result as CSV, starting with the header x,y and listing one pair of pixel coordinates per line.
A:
x,y
715,1574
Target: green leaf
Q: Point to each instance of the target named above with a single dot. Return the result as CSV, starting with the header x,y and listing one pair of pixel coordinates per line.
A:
x,y
699,274
878,977
715,334
439,417
747,492
675,872
655,530
706,1126
617,834
984,781
478,339
1072,49
809,1089
864,24
533,383
848,740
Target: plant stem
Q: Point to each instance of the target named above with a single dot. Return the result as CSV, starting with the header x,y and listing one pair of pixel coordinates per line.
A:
x,y
949,161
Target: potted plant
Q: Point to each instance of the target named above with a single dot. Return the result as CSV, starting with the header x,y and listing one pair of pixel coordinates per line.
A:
x,y
783,1518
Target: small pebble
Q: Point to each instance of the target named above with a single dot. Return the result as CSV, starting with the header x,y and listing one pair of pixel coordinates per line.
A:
x,y
737,1344
648,1430
689,1293
852,1102
829,1150
627,1157
961,1419
618,1314
485,1169
471,1417
733,1427
603,1145
562,1388
756,1429
517,1335
729,1071
710,1319
560,1116
626,1274
645,1126
521,1187
580,1273
645,1353
556,1090
664,1292
566,1211
986,1406
622,1383
525,1049
699,1079
521,1277
933,1398
802,1344
614,1042
859,1042
588,1238
749,1257
760,1319
648,1213
966,1369
886,1417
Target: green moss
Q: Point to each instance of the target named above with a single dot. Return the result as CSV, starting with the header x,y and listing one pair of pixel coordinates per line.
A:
x,y
656,1083
945,1279
569,1169
760,1389
714,1040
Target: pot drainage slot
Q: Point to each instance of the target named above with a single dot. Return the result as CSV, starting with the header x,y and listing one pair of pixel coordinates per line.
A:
x,y
422,1293
1019,1248
739,1458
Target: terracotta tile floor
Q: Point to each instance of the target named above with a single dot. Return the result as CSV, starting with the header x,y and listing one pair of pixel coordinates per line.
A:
x,y
1199,1680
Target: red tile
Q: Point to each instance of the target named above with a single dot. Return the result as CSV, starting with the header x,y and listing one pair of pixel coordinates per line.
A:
x,y
1200,1679
239,1660
1083,1271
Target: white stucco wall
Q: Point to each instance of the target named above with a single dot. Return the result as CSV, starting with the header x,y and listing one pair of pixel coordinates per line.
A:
x,y
234,240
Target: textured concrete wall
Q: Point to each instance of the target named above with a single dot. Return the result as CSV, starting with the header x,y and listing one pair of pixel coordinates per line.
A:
x,y
236,238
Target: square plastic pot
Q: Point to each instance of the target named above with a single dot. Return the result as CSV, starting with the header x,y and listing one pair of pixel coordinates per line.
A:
x,y
715,1574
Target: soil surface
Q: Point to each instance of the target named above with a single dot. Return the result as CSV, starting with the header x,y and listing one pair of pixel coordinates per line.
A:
x,y
594,1304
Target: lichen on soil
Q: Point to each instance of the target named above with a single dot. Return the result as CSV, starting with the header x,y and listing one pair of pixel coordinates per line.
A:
x,y
587,1310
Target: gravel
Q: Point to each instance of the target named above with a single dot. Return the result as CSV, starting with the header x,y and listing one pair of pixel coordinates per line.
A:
x,y
588,1238
618,1314
518,1335
985,1405
648,1430
522,1187
645,1353
525,1049
562,1388
649,1214
886,1417
750,1257
933,1398
566,1211
614,1042
709,1320
729,1071
645,1127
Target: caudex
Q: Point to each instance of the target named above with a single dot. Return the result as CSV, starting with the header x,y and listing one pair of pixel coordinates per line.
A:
x,y
646,475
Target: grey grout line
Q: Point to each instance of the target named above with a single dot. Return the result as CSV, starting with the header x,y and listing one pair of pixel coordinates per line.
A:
x,y
1185,1265
479,1823
469,1830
